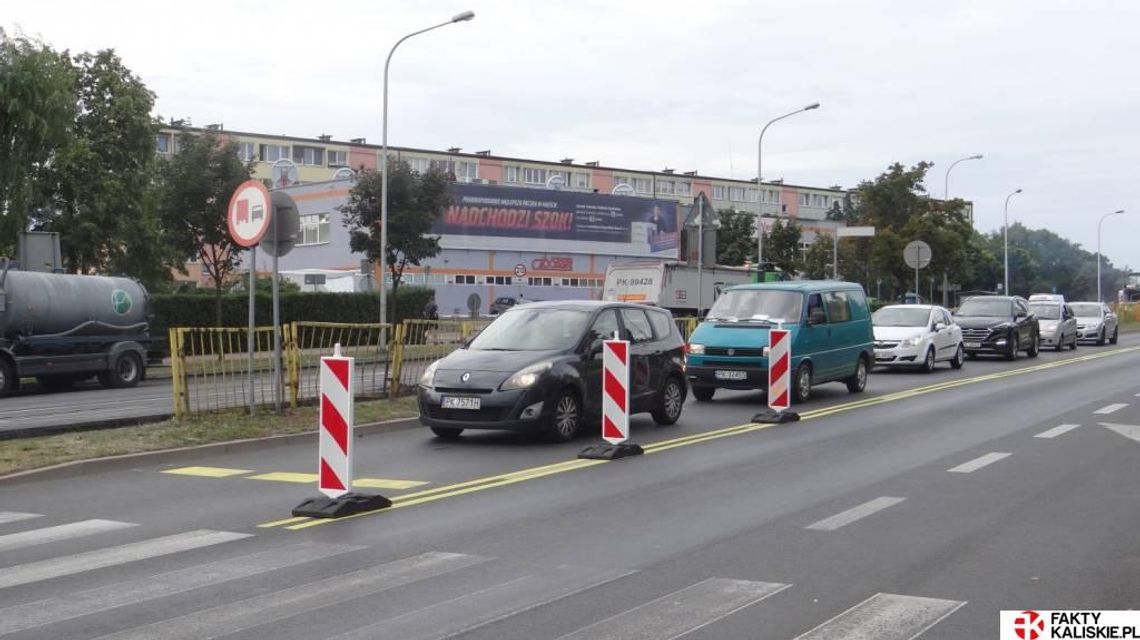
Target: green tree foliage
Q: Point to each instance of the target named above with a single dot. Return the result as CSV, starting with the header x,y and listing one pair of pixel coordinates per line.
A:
x,y
196,185
736,238
99,182
37,113
782,245
415,201
817,259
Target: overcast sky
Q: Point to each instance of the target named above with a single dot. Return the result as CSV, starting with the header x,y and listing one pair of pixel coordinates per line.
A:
x,y
1048,90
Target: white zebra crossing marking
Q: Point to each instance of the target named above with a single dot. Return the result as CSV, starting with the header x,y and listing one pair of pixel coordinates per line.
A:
x,y
680,612
855,513
1112,408
60,532
15,516
979,462
105,598
885,616
98,559
1056,431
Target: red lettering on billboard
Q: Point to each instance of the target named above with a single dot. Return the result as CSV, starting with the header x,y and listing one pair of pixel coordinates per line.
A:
x,y
553,263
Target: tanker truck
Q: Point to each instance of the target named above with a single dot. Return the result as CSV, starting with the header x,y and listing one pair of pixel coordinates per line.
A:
x,y
64,328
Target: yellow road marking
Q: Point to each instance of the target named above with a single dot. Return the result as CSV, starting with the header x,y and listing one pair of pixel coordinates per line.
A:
x,y
492,482
277,523
207,472
385,483
286,476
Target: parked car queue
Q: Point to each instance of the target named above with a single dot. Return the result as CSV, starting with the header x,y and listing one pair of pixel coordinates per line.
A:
x,y
537,366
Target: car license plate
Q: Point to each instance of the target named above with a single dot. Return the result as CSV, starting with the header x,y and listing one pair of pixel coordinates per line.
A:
x,y
457,402
731,375
973,345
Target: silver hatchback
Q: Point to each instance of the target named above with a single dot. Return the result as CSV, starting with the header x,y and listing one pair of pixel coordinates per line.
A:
x,y
1095,322
1058,323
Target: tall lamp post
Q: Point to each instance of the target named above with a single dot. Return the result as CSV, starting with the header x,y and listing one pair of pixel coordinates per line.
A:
x,y
1005,241
461,17
946,182
760,184
1099,292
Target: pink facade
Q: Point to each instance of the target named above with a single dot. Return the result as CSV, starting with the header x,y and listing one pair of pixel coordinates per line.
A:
x,y
602,180
491,169
702,186
362,158
790,198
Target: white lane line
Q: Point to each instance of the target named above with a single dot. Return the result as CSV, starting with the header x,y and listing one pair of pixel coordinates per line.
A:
x,y
855,513
979,462
1057,430
258,610
98,559
885,616
105,598
60,532
1112,408
16,516
680,612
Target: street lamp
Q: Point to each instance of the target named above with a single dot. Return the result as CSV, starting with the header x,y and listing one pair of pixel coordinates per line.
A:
x,y
946,182
1005,242
760,183
461,17
1099,293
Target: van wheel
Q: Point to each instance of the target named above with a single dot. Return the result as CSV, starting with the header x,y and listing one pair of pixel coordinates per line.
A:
x,y
801,386
567,419
668,411
1034,346
858,382
125,372
959,358
446,433
928,362
7,378
704,394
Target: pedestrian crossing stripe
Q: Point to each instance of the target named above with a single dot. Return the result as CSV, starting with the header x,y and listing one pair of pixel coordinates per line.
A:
x,y
297,478
207,472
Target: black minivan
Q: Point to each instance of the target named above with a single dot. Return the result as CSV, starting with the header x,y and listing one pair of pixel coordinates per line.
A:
x,y
538,368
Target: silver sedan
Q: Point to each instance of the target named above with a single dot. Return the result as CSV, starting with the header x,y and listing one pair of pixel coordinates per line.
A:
x,y
1095,322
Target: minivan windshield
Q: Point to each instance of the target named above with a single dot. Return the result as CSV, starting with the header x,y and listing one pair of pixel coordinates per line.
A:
x,y
1046,310
991,307
523,329
1086,309
744,305
900,317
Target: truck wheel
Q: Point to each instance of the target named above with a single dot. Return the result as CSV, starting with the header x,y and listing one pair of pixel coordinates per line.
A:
x,y
7,378
125,372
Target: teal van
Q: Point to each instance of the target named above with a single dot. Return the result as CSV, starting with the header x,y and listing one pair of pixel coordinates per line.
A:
x,y
831,334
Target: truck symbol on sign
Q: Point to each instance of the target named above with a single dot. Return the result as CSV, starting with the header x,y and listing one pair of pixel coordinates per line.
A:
x,y
243,212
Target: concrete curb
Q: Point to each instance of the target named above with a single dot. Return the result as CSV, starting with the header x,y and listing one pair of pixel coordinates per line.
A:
x,y
79,468
17,433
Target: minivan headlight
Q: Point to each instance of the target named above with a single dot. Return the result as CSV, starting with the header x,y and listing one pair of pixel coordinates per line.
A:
x,y
696,349
526,377
912,341
427,380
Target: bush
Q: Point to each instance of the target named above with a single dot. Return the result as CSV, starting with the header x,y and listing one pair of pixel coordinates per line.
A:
x,y
196,310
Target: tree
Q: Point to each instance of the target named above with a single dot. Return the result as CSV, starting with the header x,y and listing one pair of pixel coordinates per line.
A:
x,y
736,237
817,260
37,112
415,201
783,245
98,183
196,185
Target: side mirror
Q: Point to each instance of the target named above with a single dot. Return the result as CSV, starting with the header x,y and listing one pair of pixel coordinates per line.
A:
x,y
1021,314
816,316
939,326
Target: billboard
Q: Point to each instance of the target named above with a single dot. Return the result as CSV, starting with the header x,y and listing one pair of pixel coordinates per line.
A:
x,y
525,219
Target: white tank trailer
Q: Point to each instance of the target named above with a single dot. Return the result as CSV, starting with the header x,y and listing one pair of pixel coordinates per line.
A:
x,y
64,328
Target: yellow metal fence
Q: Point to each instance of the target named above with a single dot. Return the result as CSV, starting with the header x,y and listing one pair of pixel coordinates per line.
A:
x,y
687,326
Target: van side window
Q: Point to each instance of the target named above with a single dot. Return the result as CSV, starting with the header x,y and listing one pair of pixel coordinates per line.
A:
x,y
662,324
859,310
637,325
604,327
815,301
838,308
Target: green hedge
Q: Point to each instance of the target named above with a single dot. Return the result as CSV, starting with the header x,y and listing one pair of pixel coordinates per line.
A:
x,y
196,310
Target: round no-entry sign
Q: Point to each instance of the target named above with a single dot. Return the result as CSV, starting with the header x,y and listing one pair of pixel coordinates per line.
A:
x,y
250,213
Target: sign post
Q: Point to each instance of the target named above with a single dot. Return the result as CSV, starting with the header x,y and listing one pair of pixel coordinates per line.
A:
x,y
615,405
335,444
917,255
249,216
779,379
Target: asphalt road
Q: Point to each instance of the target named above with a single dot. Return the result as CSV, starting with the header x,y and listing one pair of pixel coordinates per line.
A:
x,y
919,509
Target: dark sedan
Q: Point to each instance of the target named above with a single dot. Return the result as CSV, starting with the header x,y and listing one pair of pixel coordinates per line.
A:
x,y
538,368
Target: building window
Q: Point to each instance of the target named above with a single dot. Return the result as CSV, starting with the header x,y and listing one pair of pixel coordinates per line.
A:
x,y
753,194
310,156
418,165
665,186
245,151
642,185
774,196
162,143
314,229
533,176
622,180
540,282
338,158
466,170
718,192
464,279
500,280
512,174
273,152
736,194
684,189
581,180
571,282
805,200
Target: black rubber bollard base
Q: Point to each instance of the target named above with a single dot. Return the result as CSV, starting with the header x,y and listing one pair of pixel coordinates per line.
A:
x,y
346,505
611,451
771,416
